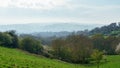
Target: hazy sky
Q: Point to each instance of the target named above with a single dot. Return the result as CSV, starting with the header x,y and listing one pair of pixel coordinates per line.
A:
x,y
45,11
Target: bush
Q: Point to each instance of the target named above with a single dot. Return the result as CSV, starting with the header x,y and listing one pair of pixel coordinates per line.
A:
x,y
31,45
97,56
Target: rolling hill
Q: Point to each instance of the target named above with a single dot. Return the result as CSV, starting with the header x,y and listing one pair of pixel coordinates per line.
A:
x,y
51,27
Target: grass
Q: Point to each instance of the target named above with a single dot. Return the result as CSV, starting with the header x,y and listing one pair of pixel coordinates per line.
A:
x,y
14,58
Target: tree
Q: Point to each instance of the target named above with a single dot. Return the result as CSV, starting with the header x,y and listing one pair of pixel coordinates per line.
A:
x,y
74,48
105,43
110,44
80,48
98,41
97,56
31,45
5,39
59,47
15,40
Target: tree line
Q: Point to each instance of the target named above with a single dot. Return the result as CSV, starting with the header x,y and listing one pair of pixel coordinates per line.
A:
x,y
79,48
12,40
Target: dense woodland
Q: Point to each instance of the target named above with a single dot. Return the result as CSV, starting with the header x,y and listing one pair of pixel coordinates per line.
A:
x,y
112,29
74,48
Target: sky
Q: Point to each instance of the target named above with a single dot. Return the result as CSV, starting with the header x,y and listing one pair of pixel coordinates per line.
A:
x,y
59,11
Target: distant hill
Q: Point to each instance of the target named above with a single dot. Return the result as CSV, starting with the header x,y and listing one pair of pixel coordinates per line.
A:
x,y
111,29
32,28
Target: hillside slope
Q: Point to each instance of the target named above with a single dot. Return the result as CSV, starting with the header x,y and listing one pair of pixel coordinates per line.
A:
x,y
14,58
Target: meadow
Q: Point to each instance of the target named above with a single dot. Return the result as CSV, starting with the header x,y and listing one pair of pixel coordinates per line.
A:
x,y
15,58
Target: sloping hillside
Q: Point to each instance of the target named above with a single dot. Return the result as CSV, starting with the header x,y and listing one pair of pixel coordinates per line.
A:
x,y
14,58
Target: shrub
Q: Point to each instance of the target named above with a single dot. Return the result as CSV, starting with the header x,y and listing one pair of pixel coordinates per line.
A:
x,y
97,56
31,45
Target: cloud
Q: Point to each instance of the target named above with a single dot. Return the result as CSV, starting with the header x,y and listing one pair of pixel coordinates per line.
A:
x,y
91,7
35,4
58,11
50,4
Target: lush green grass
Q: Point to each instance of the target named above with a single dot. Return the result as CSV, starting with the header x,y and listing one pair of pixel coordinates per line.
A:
x,y
14,58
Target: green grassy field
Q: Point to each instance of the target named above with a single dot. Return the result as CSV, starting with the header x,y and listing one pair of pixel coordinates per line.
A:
x,y
14,58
